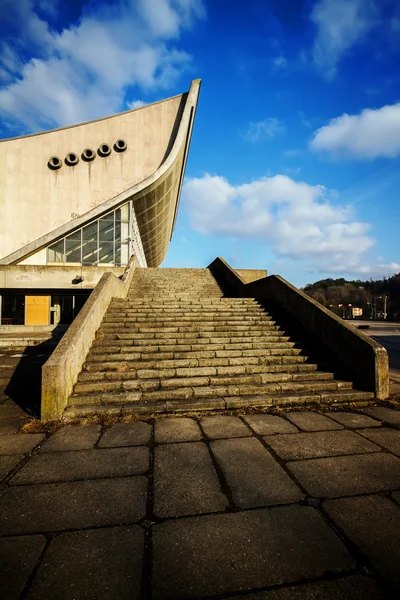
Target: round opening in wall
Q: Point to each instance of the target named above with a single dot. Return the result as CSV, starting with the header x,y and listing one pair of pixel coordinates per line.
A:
x,y
120,146
88,154
71,159
104,150
54,163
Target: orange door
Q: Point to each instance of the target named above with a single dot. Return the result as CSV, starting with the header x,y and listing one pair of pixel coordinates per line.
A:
x,y
37,310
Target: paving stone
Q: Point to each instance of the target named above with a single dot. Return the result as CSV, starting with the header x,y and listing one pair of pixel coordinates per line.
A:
x,y
231,552
9,410
312,421
72,438
92,564
269,424
83,464
318,444
388,415
53,507
7,463
18,556
19,444
185,481
220,426
126,434
353,420
11,425
354,587
176,430
387,438
348,475
373,523
253,475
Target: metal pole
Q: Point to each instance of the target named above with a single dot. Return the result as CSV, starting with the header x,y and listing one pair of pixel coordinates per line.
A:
x,y
384,307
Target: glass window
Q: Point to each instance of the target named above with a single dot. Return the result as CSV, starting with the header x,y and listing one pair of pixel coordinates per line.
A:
x,y
89,233
55,252
106,252
89,253
106,230
73,248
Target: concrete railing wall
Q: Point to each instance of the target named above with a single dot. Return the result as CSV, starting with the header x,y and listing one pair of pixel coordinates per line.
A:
x,y
60,372
364,358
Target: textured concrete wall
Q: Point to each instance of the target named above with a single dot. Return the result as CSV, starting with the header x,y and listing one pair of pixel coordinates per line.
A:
x,y
39,199
62,277
365,359
60,372
249,275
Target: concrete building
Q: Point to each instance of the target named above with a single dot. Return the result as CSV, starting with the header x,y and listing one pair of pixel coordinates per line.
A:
x,y
80,201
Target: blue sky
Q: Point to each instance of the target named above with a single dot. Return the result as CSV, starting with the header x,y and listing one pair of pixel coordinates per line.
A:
x,y
295,155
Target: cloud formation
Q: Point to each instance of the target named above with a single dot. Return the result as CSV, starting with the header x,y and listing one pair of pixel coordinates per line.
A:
x,y
264,130
294,219
84,71
340,24
372,133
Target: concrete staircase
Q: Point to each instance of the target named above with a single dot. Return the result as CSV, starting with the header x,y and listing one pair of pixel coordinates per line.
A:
x,y
176,344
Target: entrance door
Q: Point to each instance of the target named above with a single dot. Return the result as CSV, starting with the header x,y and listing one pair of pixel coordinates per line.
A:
x,y
37,310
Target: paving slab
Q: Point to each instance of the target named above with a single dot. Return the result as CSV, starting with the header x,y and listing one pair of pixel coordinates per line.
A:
x,y
7,463
93,564
220,426
389,415
225,553
373,523
354,587
253,475
72,438
269,424
83,464
10,409
19,444
353,420
348,475
126,434
18,557
385,437
171,429
11,424
82,504
312,421
185,481
318,444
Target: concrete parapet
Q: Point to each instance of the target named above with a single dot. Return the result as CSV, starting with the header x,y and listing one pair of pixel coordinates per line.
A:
x,y
249,275
365,359
53,276
60,372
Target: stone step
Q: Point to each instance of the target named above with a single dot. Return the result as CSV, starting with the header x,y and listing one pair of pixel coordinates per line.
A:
x,y
188,329
111,344
232,402
175,354
192,378
306,369
132,394
98,353
206,322
120,365
211,337
166,316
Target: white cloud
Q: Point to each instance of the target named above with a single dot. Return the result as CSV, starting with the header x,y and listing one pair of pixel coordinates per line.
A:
x,y
372,133
280,62
294,219
85,70
136,104
341,24
262,130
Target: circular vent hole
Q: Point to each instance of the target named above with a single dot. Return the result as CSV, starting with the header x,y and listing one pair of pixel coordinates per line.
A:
x,y
104,150
71,159
88,154
120,145
54,163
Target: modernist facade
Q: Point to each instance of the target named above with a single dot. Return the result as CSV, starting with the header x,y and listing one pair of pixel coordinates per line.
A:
x,y
78,201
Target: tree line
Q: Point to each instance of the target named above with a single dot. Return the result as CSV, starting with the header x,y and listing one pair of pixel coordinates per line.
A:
x,y
368,295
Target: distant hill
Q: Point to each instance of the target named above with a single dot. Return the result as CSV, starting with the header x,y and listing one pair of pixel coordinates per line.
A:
x,y
363,294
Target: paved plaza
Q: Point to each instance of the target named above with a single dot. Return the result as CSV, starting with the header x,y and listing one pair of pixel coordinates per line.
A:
x,y
295,505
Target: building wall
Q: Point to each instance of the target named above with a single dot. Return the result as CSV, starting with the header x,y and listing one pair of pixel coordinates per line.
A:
x,y
49,277
35,200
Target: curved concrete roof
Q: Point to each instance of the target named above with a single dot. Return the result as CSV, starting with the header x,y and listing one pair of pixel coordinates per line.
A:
x,y
47,204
